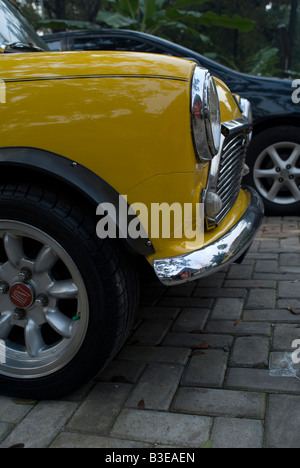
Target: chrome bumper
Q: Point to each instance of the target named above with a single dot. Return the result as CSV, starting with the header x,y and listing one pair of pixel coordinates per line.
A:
x,y
215,256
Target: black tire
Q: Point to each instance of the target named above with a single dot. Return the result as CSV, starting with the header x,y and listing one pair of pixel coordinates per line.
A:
x,y
284,140
106,287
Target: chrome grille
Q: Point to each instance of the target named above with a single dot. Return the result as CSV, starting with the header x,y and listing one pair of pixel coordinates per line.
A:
x,y
226,170
230,172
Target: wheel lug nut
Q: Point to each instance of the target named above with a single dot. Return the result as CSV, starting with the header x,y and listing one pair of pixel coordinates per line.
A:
x,y
277,169
288,166
4,287
19,314
42,300
291,176
280,179
24,274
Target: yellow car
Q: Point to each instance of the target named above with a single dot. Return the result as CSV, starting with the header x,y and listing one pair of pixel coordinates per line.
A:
x,y
106,158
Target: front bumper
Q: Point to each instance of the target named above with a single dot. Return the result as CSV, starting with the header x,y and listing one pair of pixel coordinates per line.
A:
x,y
215,256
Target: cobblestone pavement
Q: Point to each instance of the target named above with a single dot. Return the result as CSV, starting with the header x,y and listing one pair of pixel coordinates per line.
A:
x,y
209,360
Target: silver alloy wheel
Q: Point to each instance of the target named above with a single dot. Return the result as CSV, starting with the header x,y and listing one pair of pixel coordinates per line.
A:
x,y
43,303
276,173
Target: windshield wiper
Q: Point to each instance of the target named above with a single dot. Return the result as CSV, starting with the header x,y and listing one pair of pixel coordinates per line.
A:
x,y
19,45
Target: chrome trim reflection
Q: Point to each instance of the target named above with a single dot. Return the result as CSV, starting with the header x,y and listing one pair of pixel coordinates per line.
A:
x,y
236,126
215,256
204,97
246,109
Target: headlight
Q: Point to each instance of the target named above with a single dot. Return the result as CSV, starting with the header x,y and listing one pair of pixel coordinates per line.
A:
x,y
206,116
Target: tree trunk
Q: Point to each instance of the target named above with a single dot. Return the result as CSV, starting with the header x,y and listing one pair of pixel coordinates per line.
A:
x,y
91,8
292,29
60,9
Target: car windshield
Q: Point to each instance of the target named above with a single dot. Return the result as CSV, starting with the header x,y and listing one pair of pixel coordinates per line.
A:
x,y
14,29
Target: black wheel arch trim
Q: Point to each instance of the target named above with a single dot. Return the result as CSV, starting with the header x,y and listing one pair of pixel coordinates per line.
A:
x,y
79,178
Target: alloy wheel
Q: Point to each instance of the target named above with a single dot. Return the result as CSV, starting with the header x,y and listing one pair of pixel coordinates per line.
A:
x,y
276,173
43,303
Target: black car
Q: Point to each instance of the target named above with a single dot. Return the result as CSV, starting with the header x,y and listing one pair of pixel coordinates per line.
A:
x,y
274,153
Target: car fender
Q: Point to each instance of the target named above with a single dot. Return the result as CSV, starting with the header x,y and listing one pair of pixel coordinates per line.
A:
x,y
74,175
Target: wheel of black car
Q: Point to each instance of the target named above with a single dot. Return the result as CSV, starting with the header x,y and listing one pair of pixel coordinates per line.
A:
x,y
67,298
274,161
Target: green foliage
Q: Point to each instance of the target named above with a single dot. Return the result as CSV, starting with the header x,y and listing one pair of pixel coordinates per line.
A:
x,y
264,62
161,16
241,34
30,13
63,25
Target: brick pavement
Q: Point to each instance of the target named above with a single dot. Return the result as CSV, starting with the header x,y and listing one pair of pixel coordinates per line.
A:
x,y
209,360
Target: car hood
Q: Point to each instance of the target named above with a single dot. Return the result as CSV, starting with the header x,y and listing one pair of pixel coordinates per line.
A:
x,y
36,65
40,66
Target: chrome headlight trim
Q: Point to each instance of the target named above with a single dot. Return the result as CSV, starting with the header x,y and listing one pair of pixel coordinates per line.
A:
x,y
205,115
246,110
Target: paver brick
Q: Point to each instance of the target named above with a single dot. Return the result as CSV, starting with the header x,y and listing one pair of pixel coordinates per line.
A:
x,y
250,284
177,430
261,299
289,289
88,441
192,340
229,308
156,387
237,433
260,380
12,412
187,302
284,335
266,266
219,402
250,351
283,422
285,363
5,429
269,315
239,327
100,409
41,425
220,292
154,312
122,371
150,332
289,259
191,319
207,369
154,354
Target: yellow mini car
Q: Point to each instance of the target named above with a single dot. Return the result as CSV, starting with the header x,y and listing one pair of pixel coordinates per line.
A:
x,y
106,158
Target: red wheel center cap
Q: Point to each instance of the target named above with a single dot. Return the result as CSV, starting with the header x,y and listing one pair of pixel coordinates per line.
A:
x,y
21,295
